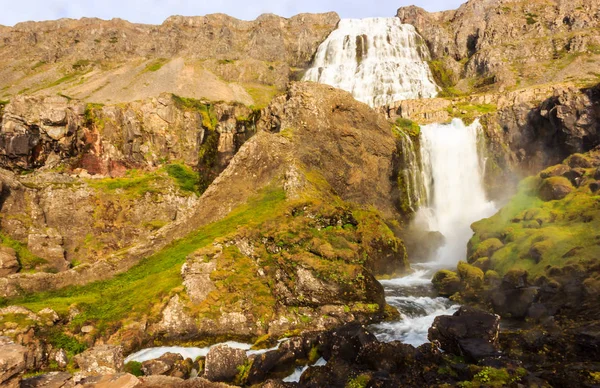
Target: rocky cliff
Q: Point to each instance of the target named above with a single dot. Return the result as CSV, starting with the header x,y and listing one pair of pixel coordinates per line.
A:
x,y
499,44
215,57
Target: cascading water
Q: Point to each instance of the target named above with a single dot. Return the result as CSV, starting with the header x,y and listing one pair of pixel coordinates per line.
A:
x,y
378,60
452,172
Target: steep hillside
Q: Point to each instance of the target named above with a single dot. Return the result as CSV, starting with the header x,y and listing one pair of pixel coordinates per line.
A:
x,y
214,57
500,44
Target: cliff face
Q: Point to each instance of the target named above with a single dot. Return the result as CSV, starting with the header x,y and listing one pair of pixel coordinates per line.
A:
x,y
507,43
216,57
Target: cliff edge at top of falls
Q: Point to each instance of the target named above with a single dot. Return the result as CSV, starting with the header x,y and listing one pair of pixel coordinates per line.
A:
x,y
499,44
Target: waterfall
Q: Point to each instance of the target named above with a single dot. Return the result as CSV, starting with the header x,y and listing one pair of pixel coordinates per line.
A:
x,y
453,176
378,60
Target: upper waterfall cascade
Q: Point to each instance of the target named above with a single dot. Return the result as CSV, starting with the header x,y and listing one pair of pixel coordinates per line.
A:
x,y
378,60
453,175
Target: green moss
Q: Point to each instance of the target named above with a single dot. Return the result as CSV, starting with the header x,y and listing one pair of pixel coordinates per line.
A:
x,y
27,260
185,177
486,248
155,65
134,367
470,276
360,381
538,234
469,112
314,355
209,120
243,372
531,18
7,321
60,340
409,127
446,282
262,95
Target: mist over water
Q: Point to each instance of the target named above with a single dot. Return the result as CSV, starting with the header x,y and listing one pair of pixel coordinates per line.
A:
x,y
453,177
378,60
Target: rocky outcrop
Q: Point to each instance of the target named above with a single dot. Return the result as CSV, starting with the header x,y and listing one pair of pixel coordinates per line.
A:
x,y
223,363
506,43
13,362
53,131
8,261
101,360
469,333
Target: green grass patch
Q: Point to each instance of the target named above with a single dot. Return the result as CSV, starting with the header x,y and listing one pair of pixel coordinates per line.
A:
x,y
185,177
59,340
155,65
135,292
209,120
469,112
27,260
134,367
262,94
408,126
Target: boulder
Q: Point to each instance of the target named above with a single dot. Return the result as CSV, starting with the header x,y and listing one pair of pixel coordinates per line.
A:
x,y
223,363
469,332
174,382
470,276
555,188
13,361
119,380
169,364
447,283
8,261
344,343
49,380
101,360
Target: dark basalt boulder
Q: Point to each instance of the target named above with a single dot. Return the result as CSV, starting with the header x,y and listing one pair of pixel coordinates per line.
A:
x,y
282,359
469,332
345,343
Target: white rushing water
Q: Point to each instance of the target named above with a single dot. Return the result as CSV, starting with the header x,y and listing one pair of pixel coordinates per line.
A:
x,y
191,352
453,175
452,170
378,60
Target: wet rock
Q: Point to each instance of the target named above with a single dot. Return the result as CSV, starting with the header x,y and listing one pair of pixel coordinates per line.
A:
x,y
469,332
471,277
101,360
447,283
49,380
345,342
169,364
8,261
281,359
222,363
13,361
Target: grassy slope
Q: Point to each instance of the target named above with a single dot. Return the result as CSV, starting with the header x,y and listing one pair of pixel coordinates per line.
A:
x,y
135,292
538,234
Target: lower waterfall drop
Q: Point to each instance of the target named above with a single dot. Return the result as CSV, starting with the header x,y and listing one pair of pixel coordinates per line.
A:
x,y
452,172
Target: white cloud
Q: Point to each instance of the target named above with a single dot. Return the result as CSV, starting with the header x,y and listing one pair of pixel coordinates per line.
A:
x,y
156,11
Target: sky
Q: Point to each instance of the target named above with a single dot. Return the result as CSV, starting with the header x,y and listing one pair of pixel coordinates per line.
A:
x,y
156,11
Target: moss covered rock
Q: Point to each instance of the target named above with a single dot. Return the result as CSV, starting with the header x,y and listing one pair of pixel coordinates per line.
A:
x,y
486,249
555,188
470,276
446,282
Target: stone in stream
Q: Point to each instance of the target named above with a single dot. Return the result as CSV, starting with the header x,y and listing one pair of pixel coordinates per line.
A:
x,y
469,332
223,363
169,364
